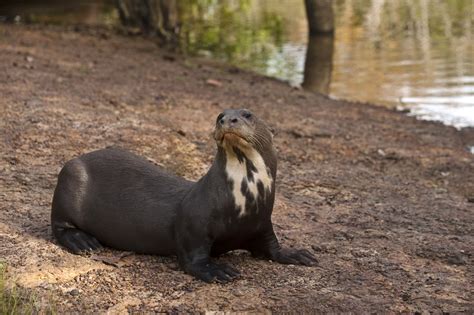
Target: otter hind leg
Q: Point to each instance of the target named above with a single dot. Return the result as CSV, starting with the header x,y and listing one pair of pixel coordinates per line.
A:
x,y
75,240
67,208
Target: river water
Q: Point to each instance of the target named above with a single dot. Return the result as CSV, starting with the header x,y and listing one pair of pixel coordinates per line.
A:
x,y
416,55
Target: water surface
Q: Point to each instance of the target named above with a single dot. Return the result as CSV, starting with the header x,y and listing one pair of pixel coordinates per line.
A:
x,y
416,55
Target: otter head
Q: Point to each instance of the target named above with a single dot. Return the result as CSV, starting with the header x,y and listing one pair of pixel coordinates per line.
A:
x,y
246,144
240,128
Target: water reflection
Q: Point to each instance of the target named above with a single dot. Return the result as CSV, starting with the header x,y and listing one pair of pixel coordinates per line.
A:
x,y
411,54
251,34
318,63
418,52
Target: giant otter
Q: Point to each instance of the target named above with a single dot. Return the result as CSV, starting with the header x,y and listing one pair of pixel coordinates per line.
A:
x,y
115,198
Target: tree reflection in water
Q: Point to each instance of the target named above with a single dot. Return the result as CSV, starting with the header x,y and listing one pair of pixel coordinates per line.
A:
x,y
318,63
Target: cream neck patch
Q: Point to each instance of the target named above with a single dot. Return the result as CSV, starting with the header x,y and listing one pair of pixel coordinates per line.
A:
x,y
248,171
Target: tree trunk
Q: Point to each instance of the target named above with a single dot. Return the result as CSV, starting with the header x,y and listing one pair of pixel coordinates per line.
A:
x,y
320,16
152,17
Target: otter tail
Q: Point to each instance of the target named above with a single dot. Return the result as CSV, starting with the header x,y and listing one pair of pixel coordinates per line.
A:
x,y
74,239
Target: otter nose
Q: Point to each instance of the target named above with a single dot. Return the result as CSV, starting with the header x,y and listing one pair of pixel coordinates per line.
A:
x,y
229,121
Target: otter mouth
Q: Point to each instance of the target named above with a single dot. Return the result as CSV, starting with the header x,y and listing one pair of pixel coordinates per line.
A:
x,y
231,134
232,137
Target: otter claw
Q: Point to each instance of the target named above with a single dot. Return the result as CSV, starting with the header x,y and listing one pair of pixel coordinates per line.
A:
x,y
210,272
295,257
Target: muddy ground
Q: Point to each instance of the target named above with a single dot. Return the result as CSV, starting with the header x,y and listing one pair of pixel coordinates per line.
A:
x,y
384,201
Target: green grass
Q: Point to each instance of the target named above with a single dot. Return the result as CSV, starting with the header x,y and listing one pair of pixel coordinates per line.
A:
x,y
15,300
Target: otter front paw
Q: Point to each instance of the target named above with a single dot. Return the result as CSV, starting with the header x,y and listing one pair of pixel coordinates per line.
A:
x,y
210,272
294,257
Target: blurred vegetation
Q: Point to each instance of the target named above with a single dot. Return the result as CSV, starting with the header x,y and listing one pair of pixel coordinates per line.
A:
x,y
228,30
59,12
270,36
14,300
232,27
11,301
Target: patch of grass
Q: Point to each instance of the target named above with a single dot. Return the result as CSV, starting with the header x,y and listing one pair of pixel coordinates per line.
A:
x,y
15,300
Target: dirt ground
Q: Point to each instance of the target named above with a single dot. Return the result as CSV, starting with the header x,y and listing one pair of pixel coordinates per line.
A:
x,y
384,201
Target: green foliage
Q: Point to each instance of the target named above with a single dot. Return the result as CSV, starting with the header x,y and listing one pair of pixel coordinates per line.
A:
x,y
229,31
17,301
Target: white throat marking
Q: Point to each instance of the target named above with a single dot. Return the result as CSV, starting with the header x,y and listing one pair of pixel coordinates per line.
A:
x,y
237,173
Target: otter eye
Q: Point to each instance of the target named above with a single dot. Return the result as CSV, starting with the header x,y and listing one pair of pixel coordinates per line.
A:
x,y
221,115
247,115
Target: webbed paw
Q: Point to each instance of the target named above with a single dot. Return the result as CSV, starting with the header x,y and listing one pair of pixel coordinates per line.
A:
x,y
210,272
295,257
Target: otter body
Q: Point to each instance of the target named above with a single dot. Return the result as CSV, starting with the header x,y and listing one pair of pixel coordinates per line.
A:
x,y
112,197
